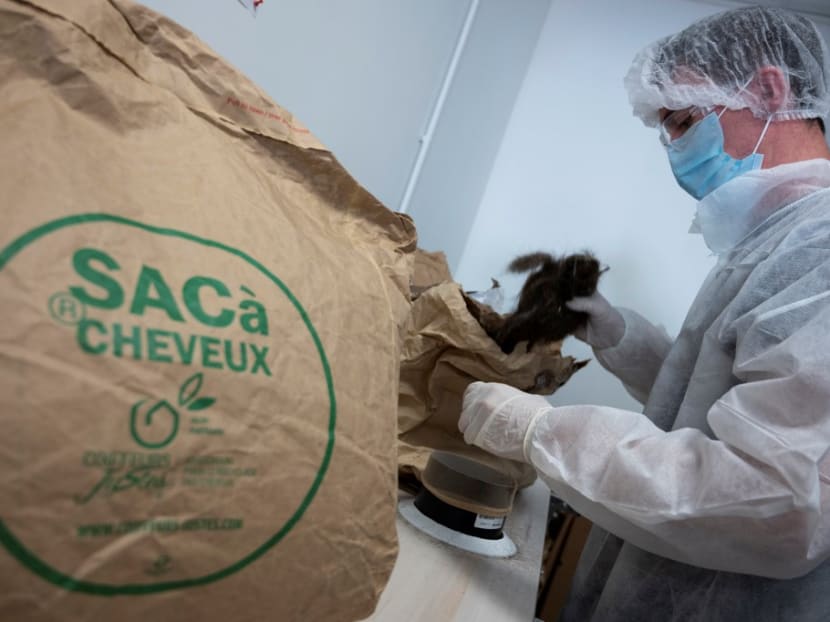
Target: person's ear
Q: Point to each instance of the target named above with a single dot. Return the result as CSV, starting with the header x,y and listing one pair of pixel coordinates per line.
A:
x,y
772,87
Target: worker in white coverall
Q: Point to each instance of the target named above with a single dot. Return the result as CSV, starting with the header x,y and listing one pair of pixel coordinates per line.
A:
x,y
714,503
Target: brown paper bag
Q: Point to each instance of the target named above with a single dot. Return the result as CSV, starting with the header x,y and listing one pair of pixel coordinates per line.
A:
x,y
200,339
430,268
445,349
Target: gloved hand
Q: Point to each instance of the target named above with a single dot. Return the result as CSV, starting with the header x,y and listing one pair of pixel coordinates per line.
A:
x,y
500,419
605,326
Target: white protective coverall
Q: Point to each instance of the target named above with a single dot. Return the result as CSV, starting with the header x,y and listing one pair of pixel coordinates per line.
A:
x,y
722,489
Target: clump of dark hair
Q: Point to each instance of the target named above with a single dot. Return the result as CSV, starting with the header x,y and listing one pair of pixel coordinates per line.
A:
x,y
541,315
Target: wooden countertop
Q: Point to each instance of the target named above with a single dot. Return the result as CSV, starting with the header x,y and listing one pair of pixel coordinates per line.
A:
x,y
434,582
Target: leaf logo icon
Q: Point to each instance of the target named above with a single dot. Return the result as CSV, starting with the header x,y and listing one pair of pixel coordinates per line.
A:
x,y
201,403
190,389
162,410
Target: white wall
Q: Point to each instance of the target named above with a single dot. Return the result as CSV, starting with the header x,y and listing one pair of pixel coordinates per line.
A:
x,y
577,171
362,75
473,120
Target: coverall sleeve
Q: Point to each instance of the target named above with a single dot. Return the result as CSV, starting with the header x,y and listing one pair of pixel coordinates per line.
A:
x,y
756,498
639,355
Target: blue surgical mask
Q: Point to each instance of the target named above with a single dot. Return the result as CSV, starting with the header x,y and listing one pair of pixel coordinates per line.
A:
x,y
699,162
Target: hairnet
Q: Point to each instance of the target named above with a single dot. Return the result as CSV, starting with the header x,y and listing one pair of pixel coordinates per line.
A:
x,y
713,60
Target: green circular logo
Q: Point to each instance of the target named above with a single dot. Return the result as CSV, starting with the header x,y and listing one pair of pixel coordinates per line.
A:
x,y
67,310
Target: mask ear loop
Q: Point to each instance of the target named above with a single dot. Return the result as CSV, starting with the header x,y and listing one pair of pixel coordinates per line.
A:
x,y
766,126
763,133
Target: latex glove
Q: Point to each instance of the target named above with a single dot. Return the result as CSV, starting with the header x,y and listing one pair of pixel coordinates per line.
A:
x,y
500,418
605,326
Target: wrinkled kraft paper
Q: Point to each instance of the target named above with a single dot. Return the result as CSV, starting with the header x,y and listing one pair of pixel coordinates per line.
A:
x,y
430,268
444,350
200,338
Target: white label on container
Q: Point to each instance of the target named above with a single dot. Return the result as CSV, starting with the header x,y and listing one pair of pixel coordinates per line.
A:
x,y
488,522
